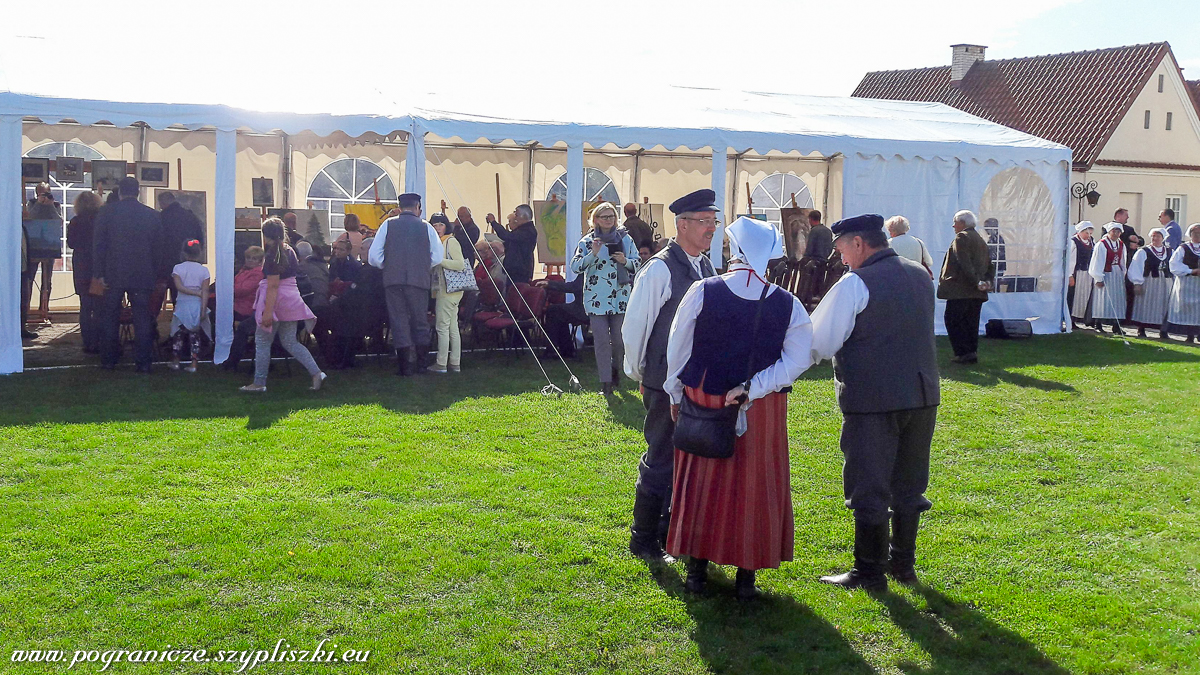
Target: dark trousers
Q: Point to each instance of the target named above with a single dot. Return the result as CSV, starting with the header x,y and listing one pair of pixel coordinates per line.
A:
x,y
887,462
557,323
91,319
408,315
242,335
656,469
143,326
962,325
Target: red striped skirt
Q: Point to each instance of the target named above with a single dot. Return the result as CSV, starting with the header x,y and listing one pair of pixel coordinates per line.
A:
x,y
737,511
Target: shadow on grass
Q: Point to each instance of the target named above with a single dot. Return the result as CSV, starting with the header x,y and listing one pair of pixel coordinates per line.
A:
x,y
774,634
959,639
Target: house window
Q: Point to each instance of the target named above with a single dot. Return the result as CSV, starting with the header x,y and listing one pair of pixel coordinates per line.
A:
x,y
348,181
1178,204
1160,83
597,187
1168,121
1147,123
775,192
64,193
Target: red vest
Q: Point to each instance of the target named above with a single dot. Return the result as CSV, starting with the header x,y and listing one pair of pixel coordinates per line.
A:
x,y
1113,255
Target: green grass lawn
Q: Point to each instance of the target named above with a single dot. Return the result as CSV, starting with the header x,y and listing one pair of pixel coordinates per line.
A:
x,y
468,524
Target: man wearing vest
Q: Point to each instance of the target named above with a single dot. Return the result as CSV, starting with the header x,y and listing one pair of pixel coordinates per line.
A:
x,y
406,248
657,291
877,325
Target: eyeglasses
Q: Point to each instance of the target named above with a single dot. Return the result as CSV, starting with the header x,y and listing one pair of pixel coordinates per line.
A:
x,y
606,217
704,221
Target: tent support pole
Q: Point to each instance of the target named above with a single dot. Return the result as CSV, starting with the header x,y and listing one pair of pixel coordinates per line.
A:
x,y
737,176
528,175
574,204
414,162
720,164
285,170
224,201
11,358
637,177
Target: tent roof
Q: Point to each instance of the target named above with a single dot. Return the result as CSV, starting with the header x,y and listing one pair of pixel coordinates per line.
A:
x,y
674,118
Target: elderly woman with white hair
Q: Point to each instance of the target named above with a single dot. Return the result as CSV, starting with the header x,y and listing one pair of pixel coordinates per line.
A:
x,y
964,282
1184,315
1079,284
1150,275
607,258
737,341
906,244
1107,270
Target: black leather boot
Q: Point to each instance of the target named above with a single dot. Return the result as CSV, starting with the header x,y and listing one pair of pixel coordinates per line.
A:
x,y
744,584
697,575
643,534
904,548
406,361
870,557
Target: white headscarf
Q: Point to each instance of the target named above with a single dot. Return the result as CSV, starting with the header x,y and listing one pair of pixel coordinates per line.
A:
x,y
1084,225
755,241
1114,225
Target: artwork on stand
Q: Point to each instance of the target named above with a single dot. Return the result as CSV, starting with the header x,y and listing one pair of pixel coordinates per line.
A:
x,y
69,170
795,231
45,237
242,240
312,224
153,174
551,221
263,191
107,173
370,215
35,169
247,219
195,201
653,215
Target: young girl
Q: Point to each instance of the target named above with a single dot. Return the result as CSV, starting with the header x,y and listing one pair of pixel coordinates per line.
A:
x,y
191,307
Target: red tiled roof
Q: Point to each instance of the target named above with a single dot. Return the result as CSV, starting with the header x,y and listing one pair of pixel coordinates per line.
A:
x,y
1076,99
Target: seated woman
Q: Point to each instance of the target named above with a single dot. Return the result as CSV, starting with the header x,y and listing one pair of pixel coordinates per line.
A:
x,y
245,289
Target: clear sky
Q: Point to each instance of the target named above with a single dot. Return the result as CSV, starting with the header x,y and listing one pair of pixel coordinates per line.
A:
x,y
303,53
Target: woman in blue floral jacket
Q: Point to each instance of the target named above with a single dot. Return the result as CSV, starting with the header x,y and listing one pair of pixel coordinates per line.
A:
x,y
607,258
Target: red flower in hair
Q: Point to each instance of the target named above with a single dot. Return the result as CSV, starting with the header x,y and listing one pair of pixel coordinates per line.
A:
x,y
194,242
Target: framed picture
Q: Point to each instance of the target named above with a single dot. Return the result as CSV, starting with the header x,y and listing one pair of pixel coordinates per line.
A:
x,y
153,174
68,170
264,192
795,231
35,169
247,219
312,224
45,237
107,173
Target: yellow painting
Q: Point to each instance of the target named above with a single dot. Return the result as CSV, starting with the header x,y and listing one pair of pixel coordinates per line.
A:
x,y
551,221
371,215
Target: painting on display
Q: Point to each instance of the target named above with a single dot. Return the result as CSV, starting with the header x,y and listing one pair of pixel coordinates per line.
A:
x,y
263,190
795,231
247,219
68,170
45,236
195,201
153,174
370,215
107,173
35,169
242,240
313,225
550,218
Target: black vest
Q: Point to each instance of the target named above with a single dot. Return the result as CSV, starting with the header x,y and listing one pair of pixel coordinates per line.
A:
x,y
1083,254
1155,267
889,362
682,277
406,252
721,344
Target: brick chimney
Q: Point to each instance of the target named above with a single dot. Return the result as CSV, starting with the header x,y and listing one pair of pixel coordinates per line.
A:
x,y
965,56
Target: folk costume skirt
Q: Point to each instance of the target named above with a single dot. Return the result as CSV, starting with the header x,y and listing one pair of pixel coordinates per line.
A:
x,y
1081,305
1185,302
1108,302
737,511
1150,308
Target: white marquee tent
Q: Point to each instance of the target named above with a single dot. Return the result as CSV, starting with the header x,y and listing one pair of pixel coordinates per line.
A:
x,y
922,160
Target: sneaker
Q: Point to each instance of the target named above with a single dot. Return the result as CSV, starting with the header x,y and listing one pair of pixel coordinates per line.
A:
x,y
435,368
190,369
455,369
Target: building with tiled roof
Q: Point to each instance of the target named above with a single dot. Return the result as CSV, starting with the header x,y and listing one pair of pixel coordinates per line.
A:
x,y
1127,113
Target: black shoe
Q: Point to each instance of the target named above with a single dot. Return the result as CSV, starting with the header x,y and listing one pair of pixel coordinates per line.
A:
x,y
406,360
28,334
965,358
606,388
643,539
870,556
744,584
697,576
903,550
1141,332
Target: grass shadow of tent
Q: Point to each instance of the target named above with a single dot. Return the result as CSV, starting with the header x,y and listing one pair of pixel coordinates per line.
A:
x,y
959,639
774,634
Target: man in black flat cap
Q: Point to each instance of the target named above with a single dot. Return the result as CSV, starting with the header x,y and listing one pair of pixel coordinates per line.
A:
x,y
406,248
877,324
657,290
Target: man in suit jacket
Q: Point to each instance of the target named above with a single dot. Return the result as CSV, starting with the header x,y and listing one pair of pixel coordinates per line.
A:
x,y
964,282
128,253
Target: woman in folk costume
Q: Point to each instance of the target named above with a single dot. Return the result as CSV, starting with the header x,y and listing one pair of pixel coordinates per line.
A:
x,y
1184,315
737,511
1150,274
1107,270
1079,284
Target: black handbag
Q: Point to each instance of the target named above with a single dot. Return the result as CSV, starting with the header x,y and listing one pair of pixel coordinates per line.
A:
x,y
712,432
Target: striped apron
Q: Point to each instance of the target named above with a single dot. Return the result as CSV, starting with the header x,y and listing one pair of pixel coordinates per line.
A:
x,y
1185,302
1081,305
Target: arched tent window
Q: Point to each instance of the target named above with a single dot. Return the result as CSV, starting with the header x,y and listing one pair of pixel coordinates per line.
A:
x,y
597,186
64,193
348,181
775,192
1016,216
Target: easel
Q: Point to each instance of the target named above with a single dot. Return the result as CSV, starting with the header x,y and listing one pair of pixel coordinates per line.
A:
x,y
749,199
